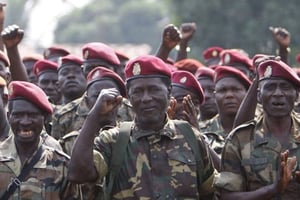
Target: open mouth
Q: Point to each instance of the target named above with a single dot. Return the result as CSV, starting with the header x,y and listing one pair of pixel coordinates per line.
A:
x,y
278,104
25,133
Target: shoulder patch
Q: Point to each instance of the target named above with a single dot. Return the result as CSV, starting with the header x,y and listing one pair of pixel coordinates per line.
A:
x,y
60,153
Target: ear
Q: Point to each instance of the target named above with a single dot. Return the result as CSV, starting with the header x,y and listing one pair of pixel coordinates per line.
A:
x,y
258,95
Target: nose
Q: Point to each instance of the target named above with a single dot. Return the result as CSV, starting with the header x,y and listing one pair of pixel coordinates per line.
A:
x,y
25,120
146,96
278,92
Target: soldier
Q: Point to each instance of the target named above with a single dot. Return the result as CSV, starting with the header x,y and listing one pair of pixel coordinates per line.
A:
x,y
211,55
259,158
29,62
188,64
47,79
231,87
29,169
158,162
208,109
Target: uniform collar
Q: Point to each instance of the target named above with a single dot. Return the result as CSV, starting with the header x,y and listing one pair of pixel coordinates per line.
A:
x,y
83,108
168,130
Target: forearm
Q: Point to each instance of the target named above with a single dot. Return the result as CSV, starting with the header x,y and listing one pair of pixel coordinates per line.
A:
x,y
17,68
163,53
82,165
284,54
182,52
266,192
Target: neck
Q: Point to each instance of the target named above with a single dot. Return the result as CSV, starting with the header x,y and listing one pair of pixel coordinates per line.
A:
x,y
278,126
26,150
150,126
227,122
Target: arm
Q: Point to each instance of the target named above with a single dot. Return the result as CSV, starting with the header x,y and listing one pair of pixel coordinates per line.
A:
x,y
187,31
265,192
2,17
82,167
12,36
283,39
170,38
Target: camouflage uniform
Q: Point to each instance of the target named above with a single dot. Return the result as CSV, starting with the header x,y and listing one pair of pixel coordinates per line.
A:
x,y
157,165
47,179
251,157
215,133
71,116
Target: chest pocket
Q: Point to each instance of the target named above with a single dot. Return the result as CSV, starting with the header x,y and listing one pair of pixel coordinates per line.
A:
x,y
260,168
181,156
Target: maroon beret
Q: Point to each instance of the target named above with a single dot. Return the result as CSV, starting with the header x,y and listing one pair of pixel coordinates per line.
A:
x,y
188,64
274,68
205,72
229,71
212,52
42,66
298,57
55,51
188,81
69,60
4,58
30,92
96,51
100,73
146,66
121,55
233,56
297,70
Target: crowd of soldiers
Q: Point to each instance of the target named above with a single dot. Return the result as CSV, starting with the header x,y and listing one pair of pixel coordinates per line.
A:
x,y
106,126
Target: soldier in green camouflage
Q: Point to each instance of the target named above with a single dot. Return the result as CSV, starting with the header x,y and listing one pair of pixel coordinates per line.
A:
x,y
158,162
230,89
260,159
47,179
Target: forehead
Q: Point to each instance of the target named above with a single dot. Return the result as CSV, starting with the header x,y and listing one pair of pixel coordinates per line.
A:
x,y
180,92
146,82
228,82
275,80
103,84
22,105
49,75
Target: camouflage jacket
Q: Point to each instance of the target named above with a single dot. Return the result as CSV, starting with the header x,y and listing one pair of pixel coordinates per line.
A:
x,y
47,179
215,133
71,117
251,155
157,165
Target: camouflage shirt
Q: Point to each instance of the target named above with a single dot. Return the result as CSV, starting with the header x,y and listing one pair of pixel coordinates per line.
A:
x,y
251,156
215,133
71,117
157,165
47,179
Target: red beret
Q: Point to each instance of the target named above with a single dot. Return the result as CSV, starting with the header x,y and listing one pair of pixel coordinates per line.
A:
x,y
234,56
121,56
42,66
229,71
55,51
4,58
274,68
100,73
30,92
69,60
188,81
205,72
298,57
146,66
188,64
32,57
212,52
297,70
97,52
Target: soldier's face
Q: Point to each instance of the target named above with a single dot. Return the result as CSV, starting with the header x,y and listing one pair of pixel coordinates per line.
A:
x,y
48,81
150,99
209,108
29,69
26,121
179,93
229,93
277,97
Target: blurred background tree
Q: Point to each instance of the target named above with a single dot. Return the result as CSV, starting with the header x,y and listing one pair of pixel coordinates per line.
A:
x,y
230,24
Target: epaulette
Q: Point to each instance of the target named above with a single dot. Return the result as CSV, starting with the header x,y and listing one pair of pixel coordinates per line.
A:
x,y
240,127
59,152
69,135
68,107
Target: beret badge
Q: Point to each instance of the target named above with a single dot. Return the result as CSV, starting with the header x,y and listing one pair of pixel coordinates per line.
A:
x,y
227,58
86,54
183,79
136,70
268,72
214,53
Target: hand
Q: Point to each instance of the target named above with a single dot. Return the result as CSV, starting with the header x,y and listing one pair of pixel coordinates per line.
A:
x,y
189,111
107,101
12,36
281,36
285,171
187,31
171,108
171,36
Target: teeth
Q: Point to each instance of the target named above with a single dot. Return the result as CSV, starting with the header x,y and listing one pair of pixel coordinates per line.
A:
x,y
26,133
